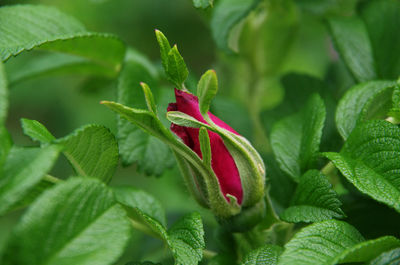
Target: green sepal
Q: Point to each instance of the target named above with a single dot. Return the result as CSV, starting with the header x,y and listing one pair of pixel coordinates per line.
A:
x,y
205,147
165,47
151,105
206,90
177,71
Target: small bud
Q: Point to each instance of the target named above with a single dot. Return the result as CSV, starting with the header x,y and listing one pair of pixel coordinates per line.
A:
x,y
238,168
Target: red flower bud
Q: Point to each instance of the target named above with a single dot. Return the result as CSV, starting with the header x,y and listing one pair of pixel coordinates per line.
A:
x,y
222,162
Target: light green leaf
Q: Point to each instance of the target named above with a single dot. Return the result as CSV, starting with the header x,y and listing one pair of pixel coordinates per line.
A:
x,y
177,71
185,238
23,169
267,254
165,47
313,201
320,243
24,27
36,131
206,90
354,104
203,3
369,160
352,41
61,226
367,250
295,139
226,14
391,257
138,199
3,95
151,155
92,151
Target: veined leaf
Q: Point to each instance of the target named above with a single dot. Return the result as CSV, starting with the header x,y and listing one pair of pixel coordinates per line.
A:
x,y
92,151
66,220
354,104
151,154
138,199
3,95
36,131
369,160
295,139
267,254
226,14
333,242
387,258
313,201
23,169
185,238
24,27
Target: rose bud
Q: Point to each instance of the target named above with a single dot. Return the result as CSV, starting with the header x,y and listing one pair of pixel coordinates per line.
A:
x,y
236,173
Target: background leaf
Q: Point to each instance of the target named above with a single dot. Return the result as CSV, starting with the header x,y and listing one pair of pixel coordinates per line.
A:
x,y
23,169
92,151
67,220
226,14
36,131
387,258
3,95
351,105
313,201
202,3
295,139
25,27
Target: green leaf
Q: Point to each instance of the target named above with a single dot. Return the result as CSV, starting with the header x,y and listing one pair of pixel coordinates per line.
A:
x,y
205,147
5,145
23,169
313,201
369,160
382,20
354,104
206,90
226,14
320,243
177,71
36,131
367,250
24,27
63,224
151,155
352,41
267,254
3,95
185,120
92,151
203,3
387,258
138,199
295,139
185,238
165,47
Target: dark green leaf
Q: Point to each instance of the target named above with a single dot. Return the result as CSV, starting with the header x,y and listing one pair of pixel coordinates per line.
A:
x,y
267,254
177,71
352,41
141,200
354,105
36,131
391,257
92,151
295,139
206,90
151,154
23,169
3,95
320,243
382,20
226,14
24,27
61,227
369,160
202,3
313,201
